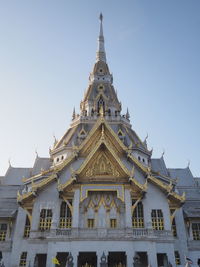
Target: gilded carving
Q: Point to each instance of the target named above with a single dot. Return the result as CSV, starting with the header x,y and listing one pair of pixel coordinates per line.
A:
x,y
102,167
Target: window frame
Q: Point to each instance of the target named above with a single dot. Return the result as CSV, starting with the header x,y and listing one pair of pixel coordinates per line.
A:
x,y
65,221
157,220
46,216
23,259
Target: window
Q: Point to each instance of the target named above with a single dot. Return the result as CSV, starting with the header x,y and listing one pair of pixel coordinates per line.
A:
x,y
113,223
27,227
3,231
174,232
23,257
157,219
196,231
90,223
45,219
138,215
65,215
101,104
177,257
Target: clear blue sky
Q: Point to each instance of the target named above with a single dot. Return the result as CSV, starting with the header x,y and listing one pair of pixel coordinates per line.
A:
x,y
47,49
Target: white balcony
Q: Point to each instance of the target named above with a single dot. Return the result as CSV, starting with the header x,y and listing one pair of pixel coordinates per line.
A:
x,y
103,234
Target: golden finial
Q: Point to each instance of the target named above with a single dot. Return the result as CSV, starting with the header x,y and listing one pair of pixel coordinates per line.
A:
x,y
101,111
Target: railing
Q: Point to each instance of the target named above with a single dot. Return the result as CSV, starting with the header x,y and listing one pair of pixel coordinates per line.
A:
x,y
103,233
194,244
6,245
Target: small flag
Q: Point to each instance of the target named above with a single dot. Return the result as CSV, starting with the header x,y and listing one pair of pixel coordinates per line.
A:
x,y
188,260
55,261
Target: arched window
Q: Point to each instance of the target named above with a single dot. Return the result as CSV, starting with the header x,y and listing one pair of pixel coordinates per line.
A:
x,y
101,104
45,219
92,112
3,231
196,231
138,215
23,259
109,112
27,227
65,215
174,228
157,219
177,257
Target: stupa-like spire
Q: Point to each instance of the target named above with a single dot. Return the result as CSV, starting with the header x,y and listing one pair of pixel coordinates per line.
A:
x,y
101,54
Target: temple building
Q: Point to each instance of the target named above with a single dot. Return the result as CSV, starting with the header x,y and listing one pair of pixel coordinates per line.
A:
x,y
100,199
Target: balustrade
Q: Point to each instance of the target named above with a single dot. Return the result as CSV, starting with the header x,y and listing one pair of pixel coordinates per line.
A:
x,y
102,233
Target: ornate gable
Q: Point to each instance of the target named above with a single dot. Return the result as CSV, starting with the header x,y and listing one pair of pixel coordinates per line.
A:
x,y
102,164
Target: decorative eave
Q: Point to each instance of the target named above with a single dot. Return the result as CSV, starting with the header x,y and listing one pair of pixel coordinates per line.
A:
x,y
66,186
143,168
35,187
140,187
168,189
136,146
67,135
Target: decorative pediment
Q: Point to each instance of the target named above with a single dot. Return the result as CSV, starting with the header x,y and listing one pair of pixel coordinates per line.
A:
x,y
101,128
102,166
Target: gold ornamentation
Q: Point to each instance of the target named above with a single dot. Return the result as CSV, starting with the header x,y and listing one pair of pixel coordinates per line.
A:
x,y
102,167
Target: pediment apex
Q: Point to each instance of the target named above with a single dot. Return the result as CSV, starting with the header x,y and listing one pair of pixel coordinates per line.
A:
x,y
102,130
103,162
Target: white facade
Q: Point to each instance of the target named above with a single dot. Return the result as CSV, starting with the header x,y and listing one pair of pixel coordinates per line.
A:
x,y
99,192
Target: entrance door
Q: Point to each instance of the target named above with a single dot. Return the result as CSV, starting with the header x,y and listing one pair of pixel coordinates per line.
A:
x,y
62,258
40,260
140,259
87,259
162,260
116,259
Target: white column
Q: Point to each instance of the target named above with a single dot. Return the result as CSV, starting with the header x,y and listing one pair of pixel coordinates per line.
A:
x,y
99,254
35,216
75,220
50,256
129,259
75,258
56,215
152,255
128,216
170,255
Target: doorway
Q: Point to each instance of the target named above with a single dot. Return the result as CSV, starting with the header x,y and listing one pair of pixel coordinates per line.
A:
x,y
87,259
40,260
116,259
62,258
162,260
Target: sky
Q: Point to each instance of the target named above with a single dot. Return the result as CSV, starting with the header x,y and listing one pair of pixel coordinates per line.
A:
x,y
47,50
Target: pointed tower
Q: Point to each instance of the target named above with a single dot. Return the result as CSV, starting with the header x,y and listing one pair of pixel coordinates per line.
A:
x,y
100,103
100,94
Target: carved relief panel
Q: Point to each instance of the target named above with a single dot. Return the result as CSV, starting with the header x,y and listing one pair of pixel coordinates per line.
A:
x,y
102,210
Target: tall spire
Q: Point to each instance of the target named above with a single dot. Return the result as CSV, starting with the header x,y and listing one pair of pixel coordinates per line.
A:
x,y
101,54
